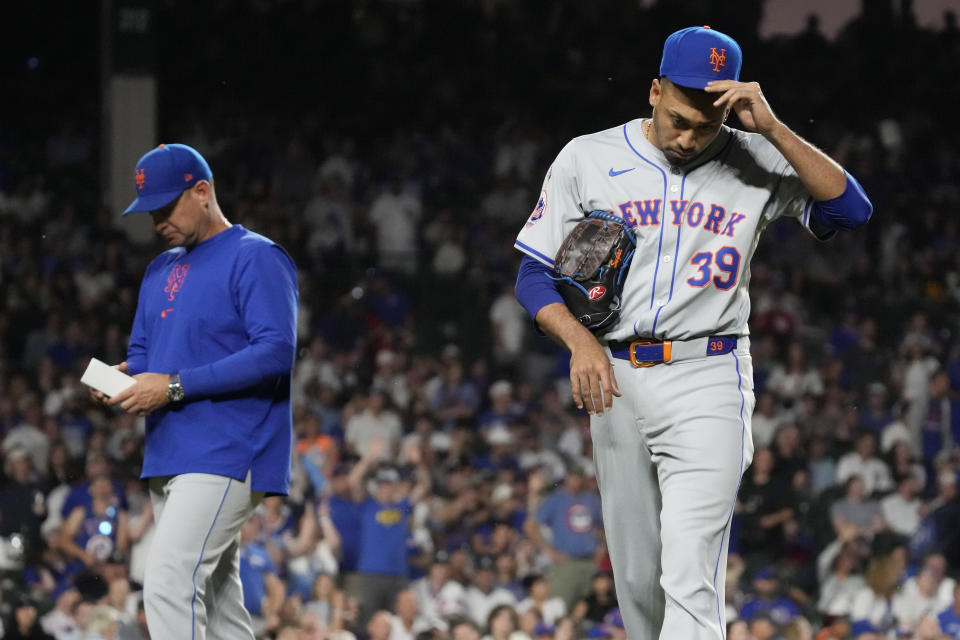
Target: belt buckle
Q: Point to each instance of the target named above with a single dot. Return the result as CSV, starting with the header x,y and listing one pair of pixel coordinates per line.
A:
x,y
641,364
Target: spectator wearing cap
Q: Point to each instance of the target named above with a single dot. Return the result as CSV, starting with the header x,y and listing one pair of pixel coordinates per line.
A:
x,y
441,597
862,461
572,515
766,600
483,595
550,608
949,618
501,622
382,563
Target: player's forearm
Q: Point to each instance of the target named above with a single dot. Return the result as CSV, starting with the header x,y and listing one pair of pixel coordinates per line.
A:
x,y
559,324
820,174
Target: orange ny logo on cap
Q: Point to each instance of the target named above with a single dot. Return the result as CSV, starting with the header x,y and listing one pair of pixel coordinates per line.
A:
x,y
141,179
717,59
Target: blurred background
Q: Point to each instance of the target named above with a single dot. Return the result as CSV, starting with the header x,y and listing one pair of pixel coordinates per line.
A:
x,y
395,148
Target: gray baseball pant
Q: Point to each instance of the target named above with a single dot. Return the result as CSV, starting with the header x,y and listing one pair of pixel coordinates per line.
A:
x,y
670,456
192,587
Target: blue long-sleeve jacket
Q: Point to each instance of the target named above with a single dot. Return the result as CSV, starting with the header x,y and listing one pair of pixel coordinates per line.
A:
x,y
223,315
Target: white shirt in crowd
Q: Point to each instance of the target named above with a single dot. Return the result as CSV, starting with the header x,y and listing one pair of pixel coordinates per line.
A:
x,y
552,610
480,604
903,516
874,471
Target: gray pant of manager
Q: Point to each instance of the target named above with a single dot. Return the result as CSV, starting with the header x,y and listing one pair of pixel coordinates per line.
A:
x,y
192,584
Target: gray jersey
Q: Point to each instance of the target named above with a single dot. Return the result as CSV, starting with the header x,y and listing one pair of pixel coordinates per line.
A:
x,y
696,226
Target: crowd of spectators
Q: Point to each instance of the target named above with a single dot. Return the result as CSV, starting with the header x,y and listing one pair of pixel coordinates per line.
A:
x,y
443,483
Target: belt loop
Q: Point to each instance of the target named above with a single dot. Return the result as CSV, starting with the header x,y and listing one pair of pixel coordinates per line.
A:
x,y
666,350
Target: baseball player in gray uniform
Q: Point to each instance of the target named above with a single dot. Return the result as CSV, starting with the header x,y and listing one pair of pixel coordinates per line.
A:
x,y
669,385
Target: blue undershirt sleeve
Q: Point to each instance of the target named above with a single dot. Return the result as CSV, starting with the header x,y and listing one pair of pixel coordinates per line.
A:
x,y
846,212
535,288
266,293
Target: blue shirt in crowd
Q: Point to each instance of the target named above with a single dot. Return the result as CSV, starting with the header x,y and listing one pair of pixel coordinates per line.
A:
x,y
255,564
383,547
574,521
950,623
347,517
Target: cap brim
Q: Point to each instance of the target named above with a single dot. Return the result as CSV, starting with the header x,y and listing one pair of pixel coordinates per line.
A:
x,y
691,82
152,202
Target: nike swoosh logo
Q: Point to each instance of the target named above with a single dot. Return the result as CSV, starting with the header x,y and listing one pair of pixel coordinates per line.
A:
x,y
163,314
614,174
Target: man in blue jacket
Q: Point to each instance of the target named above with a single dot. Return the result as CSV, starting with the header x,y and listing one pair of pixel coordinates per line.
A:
x,y
212,350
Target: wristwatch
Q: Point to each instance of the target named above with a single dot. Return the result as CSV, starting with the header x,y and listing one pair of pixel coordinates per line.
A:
x,y
175,391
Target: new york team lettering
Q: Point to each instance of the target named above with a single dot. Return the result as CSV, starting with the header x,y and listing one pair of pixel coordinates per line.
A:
x,y
709,217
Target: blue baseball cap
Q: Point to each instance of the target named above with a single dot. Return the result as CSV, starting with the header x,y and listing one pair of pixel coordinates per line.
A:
x,y
694,56
163,173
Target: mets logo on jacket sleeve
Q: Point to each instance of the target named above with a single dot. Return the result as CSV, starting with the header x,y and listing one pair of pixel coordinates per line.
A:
x,y
539,209
176,279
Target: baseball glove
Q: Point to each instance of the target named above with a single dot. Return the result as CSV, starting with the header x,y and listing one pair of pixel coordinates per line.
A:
x,y
591,266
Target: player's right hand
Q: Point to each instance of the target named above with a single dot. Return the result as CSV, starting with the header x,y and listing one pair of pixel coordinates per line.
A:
x,y
592,382
99,396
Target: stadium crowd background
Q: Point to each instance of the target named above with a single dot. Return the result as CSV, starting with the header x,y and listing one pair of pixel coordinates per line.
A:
x,y
395,147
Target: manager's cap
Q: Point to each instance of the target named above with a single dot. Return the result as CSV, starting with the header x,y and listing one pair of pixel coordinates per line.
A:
x,y
694,56
163,173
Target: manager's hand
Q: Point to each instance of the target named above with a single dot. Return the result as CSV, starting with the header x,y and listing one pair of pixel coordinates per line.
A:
x,y
144,396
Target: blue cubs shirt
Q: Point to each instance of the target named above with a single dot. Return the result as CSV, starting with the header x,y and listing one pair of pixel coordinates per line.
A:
x,y
383,548
224,315
574,521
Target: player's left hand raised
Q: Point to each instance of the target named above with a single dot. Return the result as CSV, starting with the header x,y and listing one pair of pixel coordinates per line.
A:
x,y
144,396
747,100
